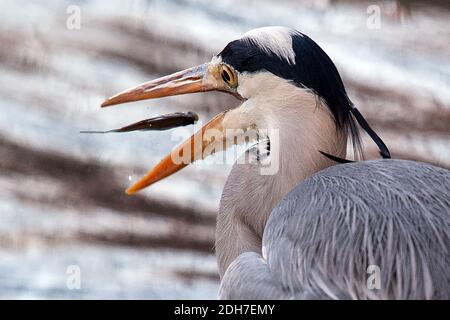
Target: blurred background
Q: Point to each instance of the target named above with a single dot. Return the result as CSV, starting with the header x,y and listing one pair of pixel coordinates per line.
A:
x,y
62,202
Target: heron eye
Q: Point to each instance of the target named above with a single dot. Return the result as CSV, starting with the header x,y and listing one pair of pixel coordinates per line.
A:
x,y
228,76
225,76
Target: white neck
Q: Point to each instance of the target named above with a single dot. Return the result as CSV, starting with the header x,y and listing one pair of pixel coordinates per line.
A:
x,y
300,126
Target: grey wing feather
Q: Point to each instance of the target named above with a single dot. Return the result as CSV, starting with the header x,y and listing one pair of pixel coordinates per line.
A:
x,y
322,238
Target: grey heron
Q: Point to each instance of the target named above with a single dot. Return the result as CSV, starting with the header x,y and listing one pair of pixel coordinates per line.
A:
x,y
314,228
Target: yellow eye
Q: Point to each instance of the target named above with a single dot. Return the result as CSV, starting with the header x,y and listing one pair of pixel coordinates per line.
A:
x,y
228,76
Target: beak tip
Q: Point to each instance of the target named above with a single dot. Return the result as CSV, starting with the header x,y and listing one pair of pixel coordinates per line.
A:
x,y
134,189
106,103
130,191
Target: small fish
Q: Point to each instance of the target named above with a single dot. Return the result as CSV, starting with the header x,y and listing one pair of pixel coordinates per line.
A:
x,y
163,122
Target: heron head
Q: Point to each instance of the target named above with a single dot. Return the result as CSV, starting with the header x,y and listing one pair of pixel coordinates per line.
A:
x,y
245,64
250,68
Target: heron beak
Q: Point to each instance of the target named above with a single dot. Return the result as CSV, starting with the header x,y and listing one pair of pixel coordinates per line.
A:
x,y
197,79
209,139
232,127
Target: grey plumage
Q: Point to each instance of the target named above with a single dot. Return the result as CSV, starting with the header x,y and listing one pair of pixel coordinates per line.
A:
x,y
321,238
292,223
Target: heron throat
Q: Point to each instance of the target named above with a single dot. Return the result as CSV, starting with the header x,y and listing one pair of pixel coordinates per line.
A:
x,y
299,125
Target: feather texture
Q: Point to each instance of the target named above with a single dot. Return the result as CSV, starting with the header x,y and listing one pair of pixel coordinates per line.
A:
x,y
322,237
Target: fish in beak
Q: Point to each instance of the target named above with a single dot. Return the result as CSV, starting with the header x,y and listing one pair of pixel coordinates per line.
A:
x,y
211,138
160,123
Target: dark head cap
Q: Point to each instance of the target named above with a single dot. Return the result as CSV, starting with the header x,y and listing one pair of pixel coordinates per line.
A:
x,y
293,56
